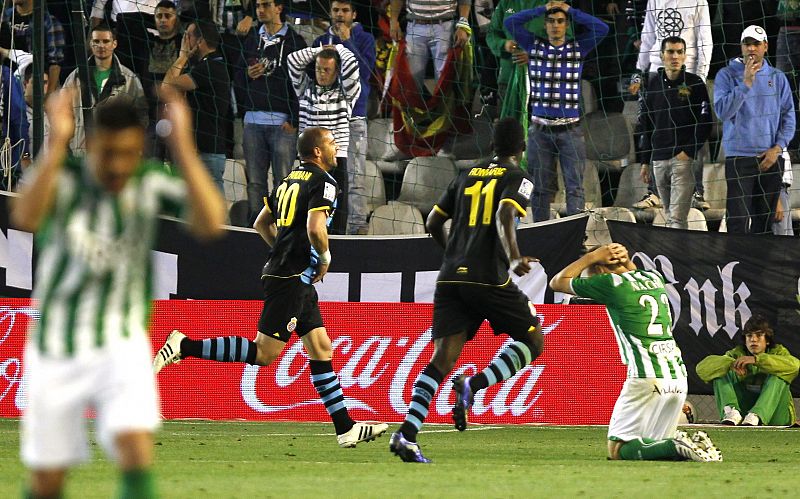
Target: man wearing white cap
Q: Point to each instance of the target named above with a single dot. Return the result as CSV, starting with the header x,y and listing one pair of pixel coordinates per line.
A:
x,y
754,102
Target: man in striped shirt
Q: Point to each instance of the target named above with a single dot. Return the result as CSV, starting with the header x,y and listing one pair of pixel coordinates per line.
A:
x,y
95,222
327,102
645,417
555,67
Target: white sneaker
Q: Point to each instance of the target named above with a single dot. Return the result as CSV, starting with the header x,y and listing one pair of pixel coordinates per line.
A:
x,y
703,441
751,419
361,432
170,353
732,416
649,200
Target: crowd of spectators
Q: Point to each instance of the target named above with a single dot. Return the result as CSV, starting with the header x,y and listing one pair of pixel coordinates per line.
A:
x,y
278,66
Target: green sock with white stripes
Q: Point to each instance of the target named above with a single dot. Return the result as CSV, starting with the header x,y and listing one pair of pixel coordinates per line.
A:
x,y
647,449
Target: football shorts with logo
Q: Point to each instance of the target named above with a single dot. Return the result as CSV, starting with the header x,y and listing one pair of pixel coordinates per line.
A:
x,y
290,306
647,408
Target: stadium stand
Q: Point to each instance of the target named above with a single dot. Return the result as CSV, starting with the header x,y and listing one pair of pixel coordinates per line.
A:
x,y
424,180
396,218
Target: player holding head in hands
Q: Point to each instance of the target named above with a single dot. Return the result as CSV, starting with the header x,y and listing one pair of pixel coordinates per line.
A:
x,y
95,222
294,222
474,283
645,418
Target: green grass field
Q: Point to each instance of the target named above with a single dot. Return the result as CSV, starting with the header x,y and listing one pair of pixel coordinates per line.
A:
x,y
230,459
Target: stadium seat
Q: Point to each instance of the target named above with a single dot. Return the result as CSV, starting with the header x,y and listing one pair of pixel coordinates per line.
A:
x,y
380,141
596,228
476,145
376,191
424,181
716,190
695,218
591,190
588,97
608,137
396,218
238,214
631,188
794,193
391,167
234,180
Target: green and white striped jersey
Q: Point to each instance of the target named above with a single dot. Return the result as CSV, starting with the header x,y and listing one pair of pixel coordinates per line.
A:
x,y
638,306
94,271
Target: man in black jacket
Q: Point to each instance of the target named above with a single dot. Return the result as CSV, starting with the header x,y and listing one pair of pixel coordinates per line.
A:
x,y
675,118
264,93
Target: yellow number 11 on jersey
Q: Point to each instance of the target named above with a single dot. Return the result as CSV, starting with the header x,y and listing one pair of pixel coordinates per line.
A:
x,y
476,192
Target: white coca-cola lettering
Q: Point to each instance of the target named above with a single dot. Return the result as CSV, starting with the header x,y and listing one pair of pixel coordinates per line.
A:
x,y
367,376
400,379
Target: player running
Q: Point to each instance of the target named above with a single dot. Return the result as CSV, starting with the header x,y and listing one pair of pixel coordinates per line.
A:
x,y
95,220
294,222
474,283
645,417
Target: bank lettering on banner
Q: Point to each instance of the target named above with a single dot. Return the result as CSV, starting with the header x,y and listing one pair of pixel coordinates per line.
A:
x,y
379,349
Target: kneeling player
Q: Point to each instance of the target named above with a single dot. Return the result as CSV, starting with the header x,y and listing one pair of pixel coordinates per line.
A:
x,y
474,283
645,418
295,223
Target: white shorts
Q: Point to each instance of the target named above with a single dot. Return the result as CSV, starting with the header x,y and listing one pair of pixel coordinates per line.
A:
x,y
647,408
117,382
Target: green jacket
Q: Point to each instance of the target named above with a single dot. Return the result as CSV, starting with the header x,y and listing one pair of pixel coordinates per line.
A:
x,y
497,35
776,361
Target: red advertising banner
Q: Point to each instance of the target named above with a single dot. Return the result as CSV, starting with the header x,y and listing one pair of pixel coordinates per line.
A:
x,y
379,348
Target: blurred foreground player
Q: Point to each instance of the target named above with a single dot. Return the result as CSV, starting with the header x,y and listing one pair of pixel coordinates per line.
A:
x,y
294,223
474,283
95,220
644,422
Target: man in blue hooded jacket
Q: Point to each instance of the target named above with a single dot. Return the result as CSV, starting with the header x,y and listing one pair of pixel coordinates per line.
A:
x,y
754,102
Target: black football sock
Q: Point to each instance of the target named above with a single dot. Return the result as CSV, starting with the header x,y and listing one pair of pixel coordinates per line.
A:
x,y
221,348
330,391
424,389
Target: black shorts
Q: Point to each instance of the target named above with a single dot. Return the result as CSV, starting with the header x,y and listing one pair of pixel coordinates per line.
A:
x,y
290,306
461,308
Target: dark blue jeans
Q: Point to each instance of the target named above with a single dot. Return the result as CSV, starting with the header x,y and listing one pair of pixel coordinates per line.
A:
x,y
544,146
752,195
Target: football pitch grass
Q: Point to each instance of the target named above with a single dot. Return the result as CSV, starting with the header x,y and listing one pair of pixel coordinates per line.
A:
x,y
197,459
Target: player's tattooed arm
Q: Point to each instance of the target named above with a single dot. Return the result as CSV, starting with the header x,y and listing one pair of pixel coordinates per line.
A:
x,y
317,227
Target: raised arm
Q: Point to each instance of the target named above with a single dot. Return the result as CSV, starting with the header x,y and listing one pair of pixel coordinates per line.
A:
x,y
516,26
351,79
595,30
207,208
611,254
36,197
728,95
297,62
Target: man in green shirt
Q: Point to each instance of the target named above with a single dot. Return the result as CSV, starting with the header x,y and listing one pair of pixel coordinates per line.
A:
x,y
644,421
95,221
753,378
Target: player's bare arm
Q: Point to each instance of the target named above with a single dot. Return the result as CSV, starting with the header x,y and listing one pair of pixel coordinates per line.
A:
x,y
435,225
506,229
207,207
611,254
37,196
265,226
317,228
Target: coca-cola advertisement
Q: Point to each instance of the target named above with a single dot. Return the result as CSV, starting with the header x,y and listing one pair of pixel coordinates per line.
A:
x,y
379,348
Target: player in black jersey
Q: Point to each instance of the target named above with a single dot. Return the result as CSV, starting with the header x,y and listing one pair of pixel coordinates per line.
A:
x,y
474,283
295,223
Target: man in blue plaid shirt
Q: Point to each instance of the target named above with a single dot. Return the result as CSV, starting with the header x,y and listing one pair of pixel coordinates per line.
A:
x,y
555,67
